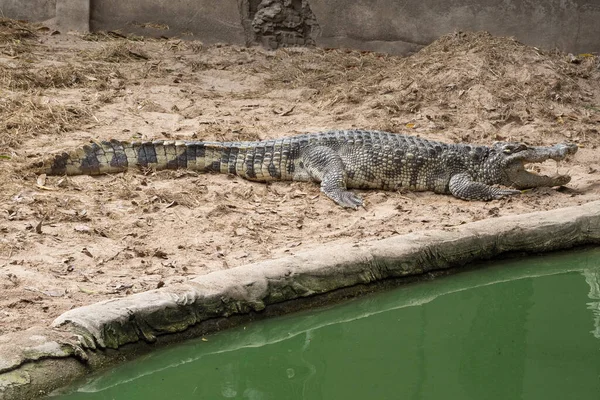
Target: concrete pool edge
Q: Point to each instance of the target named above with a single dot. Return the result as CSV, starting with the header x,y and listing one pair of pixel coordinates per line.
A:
x,y
40,359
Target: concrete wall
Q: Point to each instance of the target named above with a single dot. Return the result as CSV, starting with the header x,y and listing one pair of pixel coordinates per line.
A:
x,y
33,10
208,20
395,26
570,25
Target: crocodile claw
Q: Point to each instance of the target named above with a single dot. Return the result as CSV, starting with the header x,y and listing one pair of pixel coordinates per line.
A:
x,y
500,194
349,200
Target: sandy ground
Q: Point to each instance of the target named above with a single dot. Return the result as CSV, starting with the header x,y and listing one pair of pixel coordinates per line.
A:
x,y
66,242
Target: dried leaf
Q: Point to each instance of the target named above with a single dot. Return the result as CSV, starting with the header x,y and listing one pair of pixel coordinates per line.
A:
x,y
87,252
41,180
82,228
284,113
86,291
123,286
160,254
38,227
50,293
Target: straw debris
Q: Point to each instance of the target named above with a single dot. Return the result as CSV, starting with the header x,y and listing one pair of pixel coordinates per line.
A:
x,y
23,117
115,52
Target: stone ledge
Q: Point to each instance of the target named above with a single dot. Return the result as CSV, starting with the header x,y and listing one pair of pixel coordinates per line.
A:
x,y
38,360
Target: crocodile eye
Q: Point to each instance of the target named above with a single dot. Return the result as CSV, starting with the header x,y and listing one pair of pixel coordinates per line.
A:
x,y
514,148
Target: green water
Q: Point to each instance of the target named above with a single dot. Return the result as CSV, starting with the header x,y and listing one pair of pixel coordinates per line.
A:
x,y
526,329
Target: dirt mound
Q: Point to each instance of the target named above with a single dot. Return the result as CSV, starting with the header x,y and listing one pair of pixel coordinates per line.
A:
x,y
496,79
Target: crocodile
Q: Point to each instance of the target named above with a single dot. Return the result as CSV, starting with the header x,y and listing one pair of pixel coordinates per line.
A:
x,y
339,160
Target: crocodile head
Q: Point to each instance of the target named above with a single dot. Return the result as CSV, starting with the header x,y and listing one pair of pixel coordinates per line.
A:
x,y
508,160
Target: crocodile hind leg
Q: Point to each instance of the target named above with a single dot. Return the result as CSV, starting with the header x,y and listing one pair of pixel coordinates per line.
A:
x,y
324,165
463,187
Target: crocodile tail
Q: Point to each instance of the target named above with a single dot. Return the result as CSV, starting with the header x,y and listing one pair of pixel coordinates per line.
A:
x,y
251,160
114,156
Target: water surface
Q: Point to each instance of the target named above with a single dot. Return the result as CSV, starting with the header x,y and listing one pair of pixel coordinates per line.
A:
x,y
519,329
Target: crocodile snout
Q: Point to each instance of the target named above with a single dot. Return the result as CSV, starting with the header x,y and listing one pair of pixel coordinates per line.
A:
x,y
565,149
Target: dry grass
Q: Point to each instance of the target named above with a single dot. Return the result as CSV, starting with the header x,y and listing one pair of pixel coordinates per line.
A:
x,y
118,51
332,72
110,36
25,108
25,116
11,30
15,37
27,77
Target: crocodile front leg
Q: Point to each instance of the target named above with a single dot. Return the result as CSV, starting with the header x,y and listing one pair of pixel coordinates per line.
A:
x,y
463,187
324,165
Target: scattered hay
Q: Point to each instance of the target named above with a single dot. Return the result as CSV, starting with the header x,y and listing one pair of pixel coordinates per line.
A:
x,y
23,117
12,30
104,36
328,70
115,52
15,37
25,77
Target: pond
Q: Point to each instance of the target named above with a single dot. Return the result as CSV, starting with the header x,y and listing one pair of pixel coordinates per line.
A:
x,y
513,329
